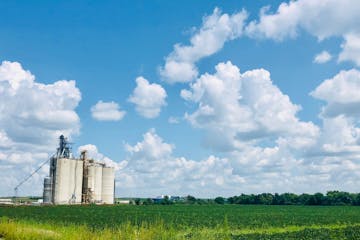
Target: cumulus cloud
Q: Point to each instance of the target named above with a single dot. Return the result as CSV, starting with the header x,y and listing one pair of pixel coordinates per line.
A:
x,y
148,98
33,112
351,48
93,153
322,57
265,143
32,116
153,170
341,94
338,146
244,109
334,159
173,120
107,111
216,29
15,75
322,19
175,71
340,137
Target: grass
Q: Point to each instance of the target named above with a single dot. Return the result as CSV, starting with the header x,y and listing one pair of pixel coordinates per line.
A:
x,y
180,222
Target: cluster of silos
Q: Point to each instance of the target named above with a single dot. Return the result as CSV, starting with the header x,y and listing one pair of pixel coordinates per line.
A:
x,y
98,183
75,181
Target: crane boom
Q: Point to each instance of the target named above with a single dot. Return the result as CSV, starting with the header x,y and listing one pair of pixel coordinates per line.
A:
x,y
28,177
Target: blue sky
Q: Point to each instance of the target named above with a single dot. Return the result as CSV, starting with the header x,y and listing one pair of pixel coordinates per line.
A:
x,y
274,130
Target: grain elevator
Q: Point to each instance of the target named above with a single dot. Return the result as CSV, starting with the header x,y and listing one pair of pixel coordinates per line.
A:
x,y
78,180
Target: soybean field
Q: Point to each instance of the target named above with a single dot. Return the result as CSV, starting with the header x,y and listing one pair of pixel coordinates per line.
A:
x,y
180,222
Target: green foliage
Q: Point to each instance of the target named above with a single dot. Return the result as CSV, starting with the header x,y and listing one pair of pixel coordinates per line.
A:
x,y
148,201
190,199
331,198
137,201
219,200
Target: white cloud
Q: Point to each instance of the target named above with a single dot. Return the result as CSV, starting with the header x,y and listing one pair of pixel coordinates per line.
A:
x,y
93,153
15,75
107,111
153,170
334,158
340,135
148,98
5,141
175,71
244,108
265,143
324,18
331,158
322,57
351,48
149,151
216,29
35,113
172,120
32,116
341,94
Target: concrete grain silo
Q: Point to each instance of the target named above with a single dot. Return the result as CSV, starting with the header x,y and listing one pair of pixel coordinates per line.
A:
x,y
97,182
68,181
108,185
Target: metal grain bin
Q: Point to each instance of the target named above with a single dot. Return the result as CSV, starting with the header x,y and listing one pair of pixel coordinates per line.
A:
x,y
47,190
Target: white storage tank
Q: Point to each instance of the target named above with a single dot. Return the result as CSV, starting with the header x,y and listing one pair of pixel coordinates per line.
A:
x,y
68,181
108,185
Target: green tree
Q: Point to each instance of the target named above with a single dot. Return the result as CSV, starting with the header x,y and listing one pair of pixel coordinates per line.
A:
x,y
166,201
265,198
231,200
148,201
190,199
219,200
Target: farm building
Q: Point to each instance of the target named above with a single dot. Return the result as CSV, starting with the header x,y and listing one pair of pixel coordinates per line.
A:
x,y
77,180
6,201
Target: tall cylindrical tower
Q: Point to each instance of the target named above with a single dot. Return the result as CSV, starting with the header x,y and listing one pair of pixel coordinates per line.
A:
x,y
47,194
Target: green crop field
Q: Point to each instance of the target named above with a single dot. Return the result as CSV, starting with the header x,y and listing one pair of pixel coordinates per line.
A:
x,y
180,222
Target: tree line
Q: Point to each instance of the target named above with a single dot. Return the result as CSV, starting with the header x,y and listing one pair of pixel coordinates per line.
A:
x,y
330,198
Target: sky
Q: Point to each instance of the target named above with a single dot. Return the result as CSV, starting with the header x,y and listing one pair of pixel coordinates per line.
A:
x,y
207,98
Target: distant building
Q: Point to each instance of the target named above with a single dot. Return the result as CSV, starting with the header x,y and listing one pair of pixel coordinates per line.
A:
x,y
159,199
6,201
